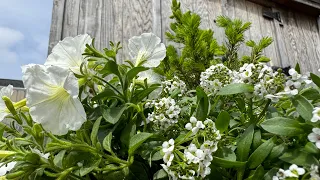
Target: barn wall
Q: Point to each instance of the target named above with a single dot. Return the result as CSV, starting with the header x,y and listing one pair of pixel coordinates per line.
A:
x,y
296,40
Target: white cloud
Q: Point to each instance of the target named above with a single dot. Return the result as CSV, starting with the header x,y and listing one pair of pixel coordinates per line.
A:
x,y
9,38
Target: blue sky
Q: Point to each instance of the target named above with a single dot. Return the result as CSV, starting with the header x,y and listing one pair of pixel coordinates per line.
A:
x,y
24,34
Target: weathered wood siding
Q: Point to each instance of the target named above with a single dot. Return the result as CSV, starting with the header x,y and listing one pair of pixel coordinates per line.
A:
x,y
297,40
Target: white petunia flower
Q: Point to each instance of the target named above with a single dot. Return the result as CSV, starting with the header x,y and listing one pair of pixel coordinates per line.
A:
x,y
315,137
5,91
316,114
52,96
5,168
68,53
146,49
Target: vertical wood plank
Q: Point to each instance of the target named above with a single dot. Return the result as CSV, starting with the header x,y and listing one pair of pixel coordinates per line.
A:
x,y
305,42
267,29
242,14
137,19
56,23
156,16
90,19
315,36
71,17
227,7
111,23
214,10
253,17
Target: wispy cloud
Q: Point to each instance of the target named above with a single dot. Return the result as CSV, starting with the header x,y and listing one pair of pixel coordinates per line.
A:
x,y
24,34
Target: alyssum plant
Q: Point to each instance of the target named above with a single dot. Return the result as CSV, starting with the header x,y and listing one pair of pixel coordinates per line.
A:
x,y
211,115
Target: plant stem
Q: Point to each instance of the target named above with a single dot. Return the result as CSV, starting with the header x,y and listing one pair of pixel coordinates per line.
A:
x,y
101,79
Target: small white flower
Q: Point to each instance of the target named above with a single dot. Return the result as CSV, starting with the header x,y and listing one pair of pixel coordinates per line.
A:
x,y
68,53
37,151
316,114
315,137
314,172
296,171
167,158
280,175
5,168
273,98
168,146
146,49
52,95
5,91
294,74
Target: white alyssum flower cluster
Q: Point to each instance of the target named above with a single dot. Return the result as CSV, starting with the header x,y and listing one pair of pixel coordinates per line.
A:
x,y
314,172
174,84
166,112
315,114
294,83
197,157
167,149
215,77
265,81
194,125
315,137
293,172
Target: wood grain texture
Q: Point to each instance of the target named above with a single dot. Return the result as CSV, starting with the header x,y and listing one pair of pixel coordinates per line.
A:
x,y
137,19
71,18
242,14
118,20
267,29
56,28
90,19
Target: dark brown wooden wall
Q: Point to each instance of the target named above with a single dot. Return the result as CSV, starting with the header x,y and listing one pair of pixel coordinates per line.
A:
x,y
297,40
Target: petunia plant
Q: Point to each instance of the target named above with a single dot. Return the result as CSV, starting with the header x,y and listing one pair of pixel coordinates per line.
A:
x,y
88,116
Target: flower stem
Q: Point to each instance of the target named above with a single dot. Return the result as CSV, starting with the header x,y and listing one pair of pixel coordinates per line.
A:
x,y
101,79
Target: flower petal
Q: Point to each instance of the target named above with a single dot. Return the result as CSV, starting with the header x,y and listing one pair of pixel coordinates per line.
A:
x,y
68,52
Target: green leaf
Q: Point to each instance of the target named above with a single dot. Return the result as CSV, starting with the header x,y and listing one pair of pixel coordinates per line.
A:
x,y
223,121
87,168
256,139
258,174
226,153
132,73
106,143
59,158
127,133
303,107
311,148
144,93
277,151
137,140
244,144
236,88
111,67
282,126
107,93
315,79
94,131
226,163
138,171
203,105
112,115
117,175
311,94
269,175
299,158
160,175
260,154
297,68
